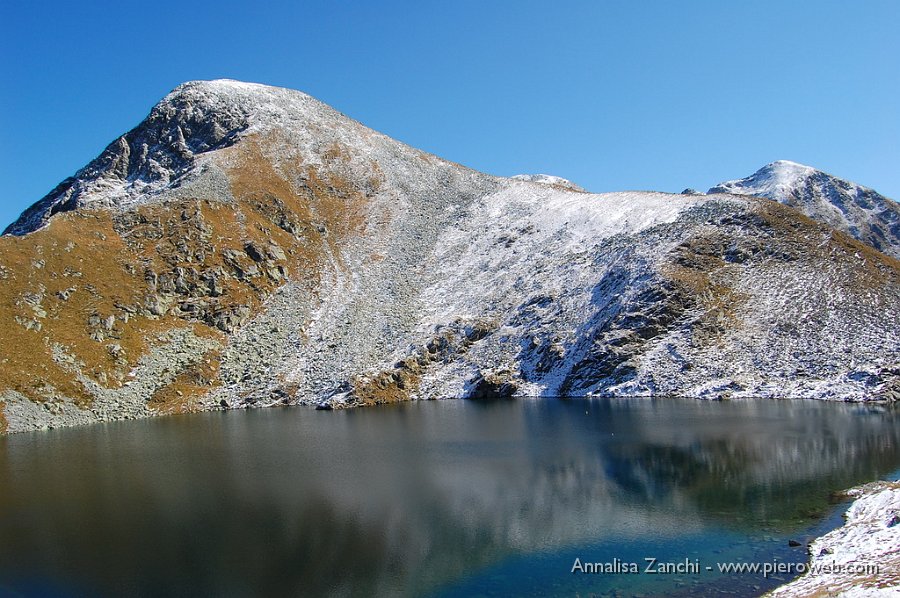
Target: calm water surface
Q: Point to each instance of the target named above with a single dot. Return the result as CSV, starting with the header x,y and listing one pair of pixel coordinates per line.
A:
x,y
451,498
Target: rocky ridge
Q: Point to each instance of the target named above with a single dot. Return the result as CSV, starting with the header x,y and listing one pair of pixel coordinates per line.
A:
x,y
250,246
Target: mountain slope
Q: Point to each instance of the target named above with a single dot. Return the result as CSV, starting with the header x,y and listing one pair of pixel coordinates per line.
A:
x,y
248,246
856,210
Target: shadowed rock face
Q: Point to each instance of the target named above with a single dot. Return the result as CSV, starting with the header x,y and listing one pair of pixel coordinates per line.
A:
x,y
858,211
248,246
188,122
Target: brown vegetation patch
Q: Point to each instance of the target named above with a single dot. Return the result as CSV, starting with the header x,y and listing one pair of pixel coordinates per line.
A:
x,y
314,209
84,294
87,294
197,265
702,280
704,268
3,423
865,266
67,304
401,382
392,386
336,152
337,202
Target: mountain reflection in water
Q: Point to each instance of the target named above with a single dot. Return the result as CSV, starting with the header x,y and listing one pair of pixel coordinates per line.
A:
x,y
408,499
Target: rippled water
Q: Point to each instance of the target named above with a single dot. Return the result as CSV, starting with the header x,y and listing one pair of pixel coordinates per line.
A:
x,y
438,498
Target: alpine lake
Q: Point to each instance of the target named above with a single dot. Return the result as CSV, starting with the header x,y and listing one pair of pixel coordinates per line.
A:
x,y
438,498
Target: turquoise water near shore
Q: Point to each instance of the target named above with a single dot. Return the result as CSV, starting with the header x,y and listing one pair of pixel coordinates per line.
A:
x,y
446,498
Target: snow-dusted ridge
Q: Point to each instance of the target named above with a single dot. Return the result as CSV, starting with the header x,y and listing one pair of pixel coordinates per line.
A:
x,y
856,210
296,256
777,179
548,179
194,118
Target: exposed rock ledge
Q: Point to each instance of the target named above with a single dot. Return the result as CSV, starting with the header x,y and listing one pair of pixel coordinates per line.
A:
x,y
841,561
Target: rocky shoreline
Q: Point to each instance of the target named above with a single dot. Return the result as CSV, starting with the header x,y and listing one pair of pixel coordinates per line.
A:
x,y
861,558
18,415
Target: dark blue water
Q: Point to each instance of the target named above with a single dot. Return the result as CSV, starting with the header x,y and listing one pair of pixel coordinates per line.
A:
x,y
454,498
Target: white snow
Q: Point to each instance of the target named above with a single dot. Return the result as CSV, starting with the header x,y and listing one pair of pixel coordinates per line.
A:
x,y
547,227
548,179
870,538
780,178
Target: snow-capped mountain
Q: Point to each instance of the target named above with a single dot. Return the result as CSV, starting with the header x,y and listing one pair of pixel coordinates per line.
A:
x,y
187,136
856,210
248,245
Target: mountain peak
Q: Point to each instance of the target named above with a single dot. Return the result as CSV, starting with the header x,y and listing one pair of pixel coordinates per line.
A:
x,y
788,164
196,118
858,211
216,93
789,169
773,179
219,84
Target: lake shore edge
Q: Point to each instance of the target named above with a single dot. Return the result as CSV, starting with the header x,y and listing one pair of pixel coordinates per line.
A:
x,y
860,558
23,416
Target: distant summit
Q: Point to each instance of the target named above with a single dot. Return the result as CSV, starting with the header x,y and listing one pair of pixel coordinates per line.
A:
x,y
549,179
859,211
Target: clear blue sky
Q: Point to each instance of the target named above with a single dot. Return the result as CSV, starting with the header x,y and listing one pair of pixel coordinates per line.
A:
x,y
613,95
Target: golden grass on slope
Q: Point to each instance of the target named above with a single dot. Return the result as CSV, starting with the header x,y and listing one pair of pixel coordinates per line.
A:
x,y
336,152
335,200
392,386
301,206
702,278
705,268
87,294
75,294
65,287
869,267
